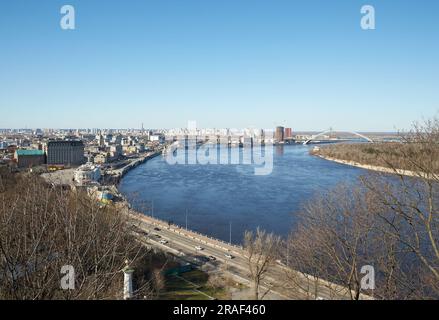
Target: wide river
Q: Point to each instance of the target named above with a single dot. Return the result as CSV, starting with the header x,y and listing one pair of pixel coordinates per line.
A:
x,y
216,199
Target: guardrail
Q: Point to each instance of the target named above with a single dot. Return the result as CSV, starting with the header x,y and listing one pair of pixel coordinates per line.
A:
x,y
197,236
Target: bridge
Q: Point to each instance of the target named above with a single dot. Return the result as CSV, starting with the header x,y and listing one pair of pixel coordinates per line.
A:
x,y
331,131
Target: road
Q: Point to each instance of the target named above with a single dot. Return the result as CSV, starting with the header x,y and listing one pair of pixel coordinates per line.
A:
x,y
183,243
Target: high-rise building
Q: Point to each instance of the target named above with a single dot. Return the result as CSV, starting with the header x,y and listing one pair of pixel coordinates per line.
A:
x,y
65,152
279,134
101,140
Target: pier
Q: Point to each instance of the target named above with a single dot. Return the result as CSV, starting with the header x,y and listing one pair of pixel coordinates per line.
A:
x,y
114,175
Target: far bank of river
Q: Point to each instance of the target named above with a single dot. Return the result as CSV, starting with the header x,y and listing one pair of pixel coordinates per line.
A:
x,y
373,168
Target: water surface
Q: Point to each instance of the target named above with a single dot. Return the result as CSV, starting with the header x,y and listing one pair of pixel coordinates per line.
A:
x,y
215,196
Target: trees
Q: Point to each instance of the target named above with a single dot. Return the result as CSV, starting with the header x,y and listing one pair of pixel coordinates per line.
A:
x,y
332,241
410,204
261,250
44,228
388,221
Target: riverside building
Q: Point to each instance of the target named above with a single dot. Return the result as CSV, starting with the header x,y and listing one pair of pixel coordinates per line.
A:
x,y
279,134
29,158
65,153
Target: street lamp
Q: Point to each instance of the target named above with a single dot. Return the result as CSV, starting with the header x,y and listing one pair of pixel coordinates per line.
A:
x,y
152,208
230,233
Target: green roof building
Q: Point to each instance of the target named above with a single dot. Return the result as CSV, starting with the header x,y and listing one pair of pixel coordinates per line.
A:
x,y
29,152
30,158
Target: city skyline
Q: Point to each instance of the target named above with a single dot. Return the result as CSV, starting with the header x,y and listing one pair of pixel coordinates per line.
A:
x,y
308,65
94,130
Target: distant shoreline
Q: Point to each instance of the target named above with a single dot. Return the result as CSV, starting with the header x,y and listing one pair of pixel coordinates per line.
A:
x,y
407,173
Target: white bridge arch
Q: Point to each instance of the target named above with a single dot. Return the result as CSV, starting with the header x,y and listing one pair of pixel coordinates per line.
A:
x,y
330,131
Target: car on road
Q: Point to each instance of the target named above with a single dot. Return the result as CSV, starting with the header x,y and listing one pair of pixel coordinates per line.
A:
x,y
198,248
163,241
181,253
201,259
212,258
228,256
138,230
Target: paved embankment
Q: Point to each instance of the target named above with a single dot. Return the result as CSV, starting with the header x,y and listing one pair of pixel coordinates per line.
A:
x,y
186,242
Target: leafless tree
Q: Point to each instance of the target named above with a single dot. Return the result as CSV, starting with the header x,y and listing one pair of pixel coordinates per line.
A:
x,y
332,241
410,204
261,249
389,221
43,228
306,272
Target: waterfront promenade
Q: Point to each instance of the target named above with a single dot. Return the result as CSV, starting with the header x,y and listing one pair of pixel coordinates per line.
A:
x,y
132,163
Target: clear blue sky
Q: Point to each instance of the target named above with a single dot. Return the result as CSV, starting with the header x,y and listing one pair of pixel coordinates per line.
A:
x,y
224,63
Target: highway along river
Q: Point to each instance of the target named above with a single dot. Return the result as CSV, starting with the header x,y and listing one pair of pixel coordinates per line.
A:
x,y
219,200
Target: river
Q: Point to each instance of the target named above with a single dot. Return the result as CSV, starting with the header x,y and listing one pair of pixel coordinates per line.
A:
x,y
228,199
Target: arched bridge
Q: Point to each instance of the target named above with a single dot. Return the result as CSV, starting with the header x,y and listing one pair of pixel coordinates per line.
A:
x,y
330,131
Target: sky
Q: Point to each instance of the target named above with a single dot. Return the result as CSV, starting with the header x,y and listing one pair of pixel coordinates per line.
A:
x,y
305,64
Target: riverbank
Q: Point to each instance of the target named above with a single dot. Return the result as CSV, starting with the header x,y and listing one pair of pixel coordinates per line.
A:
x,y
407,173
114,176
